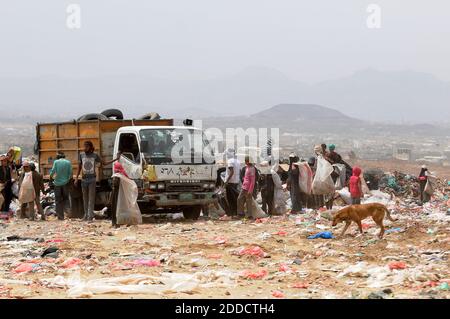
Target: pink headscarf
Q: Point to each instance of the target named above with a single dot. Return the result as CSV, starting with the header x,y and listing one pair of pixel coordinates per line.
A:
x,y
118,168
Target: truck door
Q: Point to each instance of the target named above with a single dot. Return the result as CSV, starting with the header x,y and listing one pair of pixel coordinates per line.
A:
x,y
131,159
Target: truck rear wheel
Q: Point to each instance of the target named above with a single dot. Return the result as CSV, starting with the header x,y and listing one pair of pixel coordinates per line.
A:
x,y
192,212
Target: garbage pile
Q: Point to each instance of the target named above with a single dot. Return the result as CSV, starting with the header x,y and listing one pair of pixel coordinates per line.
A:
x,y
289,256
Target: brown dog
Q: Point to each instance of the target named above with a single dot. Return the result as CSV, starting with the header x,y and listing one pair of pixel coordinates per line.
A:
x,y
357,213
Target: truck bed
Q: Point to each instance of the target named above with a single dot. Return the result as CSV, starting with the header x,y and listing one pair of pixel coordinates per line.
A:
x,y
69,137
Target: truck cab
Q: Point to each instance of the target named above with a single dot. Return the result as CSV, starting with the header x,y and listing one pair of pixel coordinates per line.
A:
x,y
166,184
173,167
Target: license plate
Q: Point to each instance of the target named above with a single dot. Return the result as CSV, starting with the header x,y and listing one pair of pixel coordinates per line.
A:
x,y
186,197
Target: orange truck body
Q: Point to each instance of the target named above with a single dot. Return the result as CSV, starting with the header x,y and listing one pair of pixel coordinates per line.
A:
x,y
69,137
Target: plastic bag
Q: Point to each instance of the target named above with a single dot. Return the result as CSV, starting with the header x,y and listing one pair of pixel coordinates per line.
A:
x,y
430,185
127,211
251,251
323,235
260,274
257,211
345,195
323,183
305,178
364,187
24,268
27,193
15,189
340,181
166,283
279,199
396,265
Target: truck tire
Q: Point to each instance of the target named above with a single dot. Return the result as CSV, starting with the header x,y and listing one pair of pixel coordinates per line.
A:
x,y
150,116
192,212
92,117
114,113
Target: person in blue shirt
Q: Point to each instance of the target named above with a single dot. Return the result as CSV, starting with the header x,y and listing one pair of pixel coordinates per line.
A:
x,y
62,175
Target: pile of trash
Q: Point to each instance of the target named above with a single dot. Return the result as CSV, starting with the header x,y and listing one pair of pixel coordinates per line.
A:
x,y
289,256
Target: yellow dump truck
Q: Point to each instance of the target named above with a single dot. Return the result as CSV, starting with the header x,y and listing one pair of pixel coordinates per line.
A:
x,y
165,184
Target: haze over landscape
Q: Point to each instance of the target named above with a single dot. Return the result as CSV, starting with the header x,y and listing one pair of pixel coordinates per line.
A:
x,y
200,59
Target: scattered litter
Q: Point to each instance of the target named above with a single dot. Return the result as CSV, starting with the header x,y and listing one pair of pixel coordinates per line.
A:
x,y
278,294
71,262
323,235
260,274
25,267
255,251
397,265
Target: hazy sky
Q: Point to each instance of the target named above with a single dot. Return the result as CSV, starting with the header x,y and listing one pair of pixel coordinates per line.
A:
x,y
193,39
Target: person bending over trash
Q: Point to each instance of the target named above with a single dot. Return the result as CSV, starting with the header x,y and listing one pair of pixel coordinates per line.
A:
x,y
335,158
423,179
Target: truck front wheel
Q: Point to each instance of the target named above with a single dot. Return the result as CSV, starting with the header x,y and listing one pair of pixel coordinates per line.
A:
x,y
192,212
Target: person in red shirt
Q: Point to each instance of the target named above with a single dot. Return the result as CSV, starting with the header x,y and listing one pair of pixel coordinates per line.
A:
x,y
248,184
355,186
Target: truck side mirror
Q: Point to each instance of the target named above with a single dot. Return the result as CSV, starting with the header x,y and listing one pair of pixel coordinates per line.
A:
x,y
144,146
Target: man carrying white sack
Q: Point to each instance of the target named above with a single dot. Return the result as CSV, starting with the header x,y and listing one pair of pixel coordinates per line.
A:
x,y
125,207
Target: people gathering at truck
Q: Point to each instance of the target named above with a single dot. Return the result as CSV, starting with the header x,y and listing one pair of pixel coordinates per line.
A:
x,y
241,184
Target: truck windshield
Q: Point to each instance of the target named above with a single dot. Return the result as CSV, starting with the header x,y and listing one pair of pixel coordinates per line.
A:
x,y
160,145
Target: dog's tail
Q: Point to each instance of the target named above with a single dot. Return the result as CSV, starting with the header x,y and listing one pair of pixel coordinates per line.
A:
x,y
388,215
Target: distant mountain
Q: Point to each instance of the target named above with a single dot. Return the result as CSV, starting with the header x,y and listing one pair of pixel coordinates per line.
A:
x,y
302,112
400,96
309,118
317,119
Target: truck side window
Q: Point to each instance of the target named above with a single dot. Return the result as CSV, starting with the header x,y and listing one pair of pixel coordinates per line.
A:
x,y
129,147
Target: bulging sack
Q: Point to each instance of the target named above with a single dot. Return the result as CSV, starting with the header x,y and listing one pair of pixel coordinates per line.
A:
x,y
305,178
340,171
257,211
128,212
27,193
323,183
430,186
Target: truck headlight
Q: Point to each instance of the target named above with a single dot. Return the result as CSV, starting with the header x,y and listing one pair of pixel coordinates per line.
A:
x,y
205,185
212,185
152,186
161,186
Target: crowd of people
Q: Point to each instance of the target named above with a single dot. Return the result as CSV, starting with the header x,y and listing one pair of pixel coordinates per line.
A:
x,y
30,183
242,184
295,179
294,176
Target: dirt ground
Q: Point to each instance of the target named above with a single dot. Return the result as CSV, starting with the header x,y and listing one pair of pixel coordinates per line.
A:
x,y
212,261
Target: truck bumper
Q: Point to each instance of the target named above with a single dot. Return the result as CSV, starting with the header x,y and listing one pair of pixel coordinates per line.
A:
x,y
180,199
